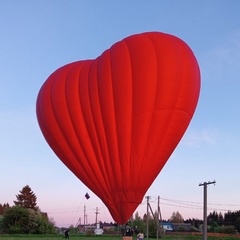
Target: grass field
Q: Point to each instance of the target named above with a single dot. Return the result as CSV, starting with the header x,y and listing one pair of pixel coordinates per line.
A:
x,y
107,237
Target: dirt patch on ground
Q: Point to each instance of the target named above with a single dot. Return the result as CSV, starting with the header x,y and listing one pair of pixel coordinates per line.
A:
x,y
200,234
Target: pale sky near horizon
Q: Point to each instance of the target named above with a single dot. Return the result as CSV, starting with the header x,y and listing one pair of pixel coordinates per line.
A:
x,y
37,37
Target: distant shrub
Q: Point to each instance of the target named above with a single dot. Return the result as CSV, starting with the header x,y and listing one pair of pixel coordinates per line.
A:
x,y
89,232
227,229
182,229
194,229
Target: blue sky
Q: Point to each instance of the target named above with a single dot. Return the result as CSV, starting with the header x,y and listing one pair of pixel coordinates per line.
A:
x,y
37,37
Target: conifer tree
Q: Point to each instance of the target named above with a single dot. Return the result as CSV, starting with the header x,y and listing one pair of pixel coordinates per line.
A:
x,y
2,207
26,199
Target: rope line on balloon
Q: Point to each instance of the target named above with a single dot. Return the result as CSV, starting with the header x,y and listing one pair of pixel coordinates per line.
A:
x,y
77,211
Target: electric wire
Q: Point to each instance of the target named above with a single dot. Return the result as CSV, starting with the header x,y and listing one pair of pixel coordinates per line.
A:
x,y
163,201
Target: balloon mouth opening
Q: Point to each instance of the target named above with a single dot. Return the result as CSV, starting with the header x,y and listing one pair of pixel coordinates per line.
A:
x,y
124,211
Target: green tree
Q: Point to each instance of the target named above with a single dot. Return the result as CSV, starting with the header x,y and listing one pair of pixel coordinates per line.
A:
x,y
138,224
42,224
26,198
136,217
16,220
214,227
152,228
2,207
220,219
1,224
25,216
24,220
176,218
237,224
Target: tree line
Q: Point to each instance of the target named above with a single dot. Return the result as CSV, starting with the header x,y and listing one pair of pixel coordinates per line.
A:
x,y
217,222
231,221
25,216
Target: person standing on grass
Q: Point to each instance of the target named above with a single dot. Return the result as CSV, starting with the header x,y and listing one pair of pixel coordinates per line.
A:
x,y
67,234
140,236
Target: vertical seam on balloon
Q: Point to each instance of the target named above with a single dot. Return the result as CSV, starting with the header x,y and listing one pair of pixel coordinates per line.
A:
x,y
150,125
90,166
98,138
89,129
173,43
61,130
54,111
130,156
73,126
115,122
181,52
73,151
109,162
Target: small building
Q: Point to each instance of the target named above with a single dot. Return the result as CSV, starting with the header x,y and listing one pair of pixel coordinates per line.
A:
x,y
98,230
182,227
167,226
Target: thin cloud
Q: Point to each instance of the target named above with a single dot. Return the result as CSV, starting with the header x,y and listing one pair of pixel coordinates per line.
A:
x,y
198,138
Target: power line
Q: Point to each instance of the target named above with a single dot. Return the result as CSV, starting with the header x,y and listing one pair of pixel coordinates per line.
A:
x,y
184,203
164,201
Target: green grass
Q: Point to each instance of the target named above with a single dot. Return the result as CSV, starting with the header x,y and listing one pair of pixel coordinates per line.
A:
x,y
101,237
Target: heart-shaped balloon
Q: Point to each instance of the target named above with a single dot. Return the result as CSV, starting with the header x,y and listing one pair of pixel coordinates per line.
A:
x,y
114,121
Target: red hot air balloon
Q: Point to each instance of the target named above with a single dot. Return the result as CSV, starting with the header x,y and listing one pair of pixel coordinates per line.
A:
x,y
115,120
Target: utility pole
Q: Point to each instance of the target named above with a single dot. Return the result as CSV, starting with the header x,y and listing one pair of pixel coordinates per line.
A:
x,y
79,225
96,215
161,230
147,214
84,219
158,217
205,207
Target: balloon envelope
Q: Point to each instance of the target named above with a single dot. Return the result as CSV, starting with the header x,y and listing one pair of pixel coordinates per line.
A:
x,y
115,120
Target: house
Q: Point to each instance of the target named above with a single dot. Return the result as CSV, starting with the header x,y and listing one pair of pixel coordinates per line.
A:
x,y
182,227
177,227
167,226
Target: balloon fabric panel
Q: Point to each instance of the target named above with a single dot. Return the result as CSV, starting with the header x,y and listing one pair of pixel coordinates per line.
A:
x,y
114,121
